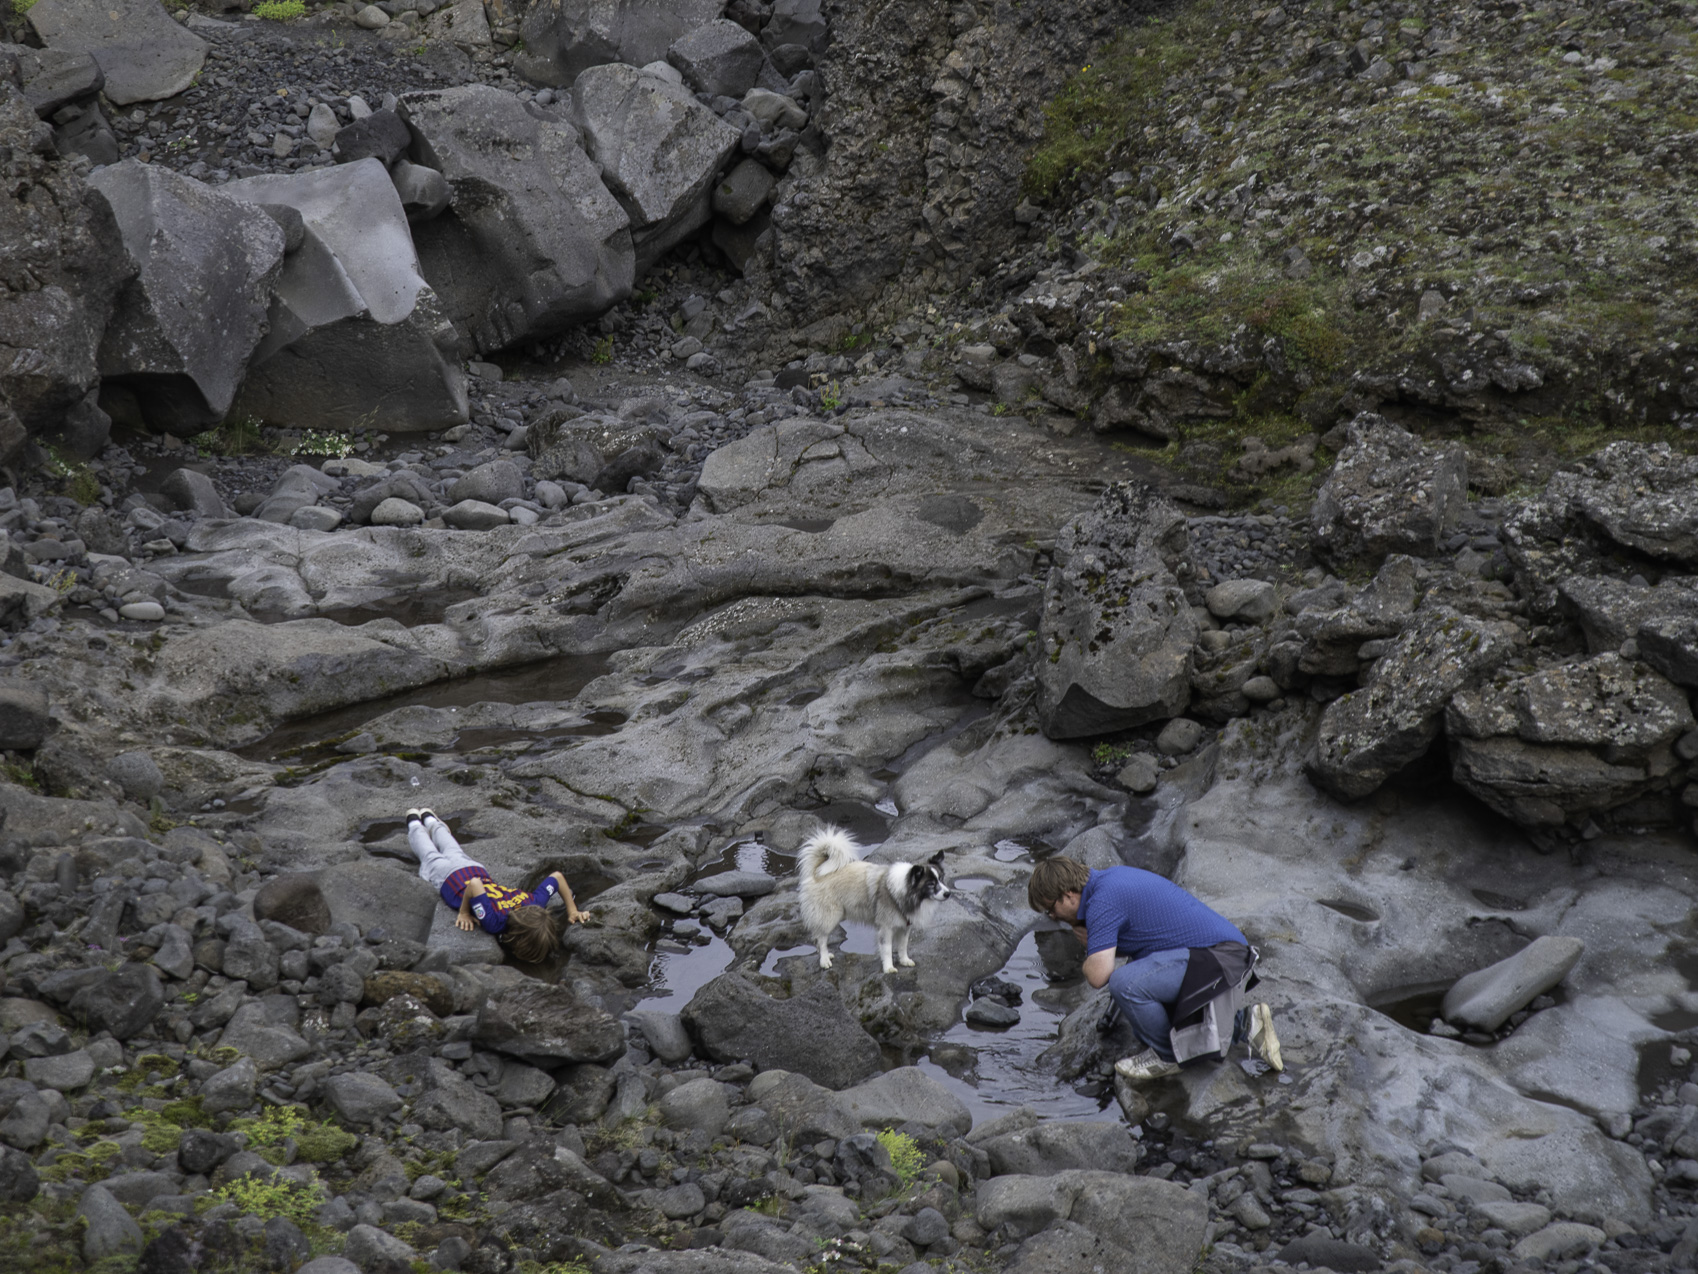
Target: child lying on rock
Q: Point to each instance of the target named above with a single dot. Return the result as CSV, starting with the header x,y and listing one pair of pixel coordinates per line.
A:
x,y
521,922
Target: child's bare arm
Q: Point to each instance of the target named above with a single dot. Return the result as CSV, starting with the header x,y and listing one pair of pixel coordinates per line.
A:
x,y
573,915
474,889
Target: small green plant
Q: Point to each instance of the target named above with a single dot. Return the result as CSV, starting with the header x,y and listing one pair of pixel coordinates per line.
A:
x,y
237,436
21,774
293,1200
272,1128
905,1154
1106,754
603,353
62,580
280,10
76,477
831,396
21,7
553,1267
317,442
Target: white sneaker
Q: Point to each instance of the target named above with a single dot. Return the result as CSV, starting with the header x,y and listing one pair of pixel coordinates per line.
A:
x,y
1144,1066
414,814
1263,1041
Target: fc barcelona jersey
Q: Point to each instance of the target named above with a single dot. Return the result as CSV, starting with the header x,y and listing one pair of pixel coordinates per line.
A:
x,y
491,910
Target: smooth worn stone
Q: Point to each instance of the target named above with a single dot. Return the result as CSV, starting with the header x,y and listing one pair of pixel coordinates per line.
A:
x,y
720,59
191,490
680,1201
315,517
143,612
110,1228
1054,1146
548,1024
1324,1252
232,1088
138,774
19,1181
1161,1221
425,193
697,1103
1485,998
1561,1241
1140,774
360,1098
737,884
397,512
1514,1219
1179,736
64,1073
907,1095
1246,600
991,1013
665,1033
475,515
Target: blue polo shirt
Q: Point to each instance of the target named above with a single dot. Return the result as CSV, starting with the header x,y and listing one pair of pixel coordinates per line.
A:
x,y
1138,913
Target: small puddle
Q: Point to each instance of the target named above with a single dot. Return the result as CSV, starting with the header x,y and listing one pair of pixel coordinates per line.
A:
x,y
868,824
813,526
675,976
971,884
1021,849
643,834
1350,910
380,829
551,681
1414,1007
1675,1020
994,1070
1659,1073
749,854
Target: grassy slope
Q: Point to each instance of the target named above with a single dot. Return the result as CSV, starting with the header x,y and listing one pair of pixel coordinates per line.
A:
x,y
1531,180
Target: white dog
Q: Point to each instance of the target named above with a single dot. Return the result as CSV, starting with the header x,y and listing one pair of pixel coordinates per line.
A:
x,y
836,886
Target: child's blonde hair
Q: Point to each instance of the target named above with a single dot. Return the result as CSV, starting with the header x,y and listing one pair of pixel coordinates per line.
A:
x,y
532,933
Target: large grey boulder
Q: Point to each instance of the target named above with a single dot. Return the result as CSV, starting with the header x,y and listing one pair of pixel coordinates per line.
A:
x,y
721,59
1116,633
1159,1226
1563,742
563,38
1331,637
743,191
1663,621
61,237
187,322
532,243
1485,999
659,150
1366,736
358,339
799,22
1389,493
361,1098
145,56
810,1032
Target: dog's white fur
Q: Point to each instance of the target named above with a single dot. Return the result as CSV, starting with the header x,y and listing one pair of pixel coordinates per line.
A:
x,y
835,885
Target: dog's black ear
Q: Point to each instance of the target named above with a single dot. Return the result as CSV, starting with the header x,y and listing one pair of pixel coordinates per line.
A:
x,y
936,860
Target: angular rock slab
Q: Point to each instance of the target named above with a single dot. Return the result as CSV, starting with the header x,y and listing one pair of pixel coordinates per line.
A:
x,y
659,150
1485,999
145,56
563,38
1643,498
1117,630
549,1024
54,78
720,59
1369,734
532,243
358,338
187,323
811,1032
1389,493
1558,744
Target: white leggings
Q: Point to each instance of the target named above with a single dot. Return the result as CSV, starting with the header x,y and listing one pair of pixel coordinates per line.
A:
x,y
439,854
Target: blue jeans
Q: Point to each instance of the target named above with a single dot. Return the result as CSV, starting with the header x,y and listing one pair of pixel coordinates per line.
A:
x,y
1146,990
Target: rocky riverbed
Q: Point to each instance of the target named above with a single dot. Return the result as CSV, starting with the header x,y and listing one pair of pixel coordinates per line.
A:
x,y
644,434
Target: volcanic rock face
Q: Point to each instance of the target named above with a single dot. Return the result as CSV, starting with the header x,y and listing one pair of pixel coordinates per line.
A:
x,y
64,265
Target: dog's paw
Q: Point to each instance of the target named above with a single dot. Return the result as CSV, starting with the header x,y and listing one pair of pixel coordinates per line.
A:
x,y
825,962
905,962
890,968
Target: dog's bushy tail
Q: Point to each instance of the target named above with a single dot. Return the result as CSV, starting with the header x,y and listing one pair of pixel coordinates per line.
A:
x,y
825,851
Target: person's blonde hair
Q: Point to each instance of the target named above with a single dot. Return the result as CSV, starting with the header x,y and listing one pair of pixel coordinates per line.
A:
x,y
1054,877
532,933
